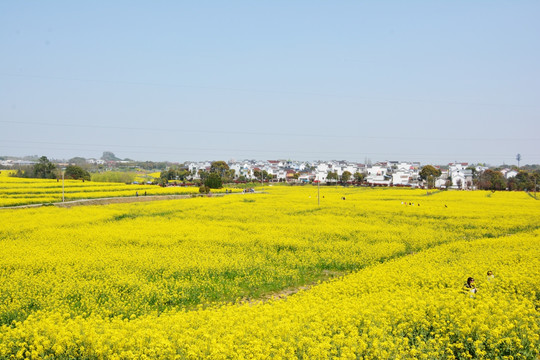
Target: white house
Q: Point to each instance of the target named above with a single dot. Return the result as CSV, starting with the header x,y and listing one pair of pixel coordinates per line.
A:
x,y
281,174
324,167
95,161
402,177
460,175
509,173
377,175
321,176
306,178
440,182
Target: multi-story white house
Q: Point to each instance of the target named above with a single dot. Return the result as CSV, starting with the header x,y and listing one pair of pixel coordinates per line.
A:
x,y
320,176
378,175
461,176
404,174
402,178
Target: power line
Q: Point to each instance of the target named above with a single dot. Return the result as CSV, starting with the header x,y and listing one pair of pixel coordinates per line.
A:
x,y
253,133
264,91
196,150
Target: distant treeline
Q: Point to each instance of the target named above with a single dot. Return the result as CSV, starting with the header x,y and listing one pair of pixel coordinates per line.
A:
x,y
495,180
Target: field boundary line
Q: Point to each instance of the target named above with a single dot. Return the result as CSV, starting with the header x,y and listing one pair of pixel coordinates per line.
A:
x,y
119,200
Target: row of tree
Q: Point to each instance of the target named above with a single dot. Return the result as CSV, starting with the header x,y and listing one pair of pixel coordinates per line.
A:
x,y
495,180
346,176
45,169
220,173
490,179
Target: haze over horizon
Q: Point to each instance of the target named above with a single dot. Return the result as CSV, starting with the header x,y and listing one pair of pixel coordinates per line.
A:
x,y
168,81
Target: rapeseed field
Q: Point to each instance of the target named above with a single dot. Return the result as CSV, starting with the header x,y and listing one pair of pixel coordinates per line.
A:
x,y
21,191
381,273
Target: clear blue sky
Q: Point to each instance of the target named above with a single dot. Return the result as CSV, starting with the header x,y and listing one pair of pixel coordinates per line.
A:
x,y
427,81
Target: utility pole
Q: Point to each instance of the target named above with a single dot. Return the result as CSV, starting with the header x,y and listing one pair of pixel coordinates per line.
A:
x,y
318,192
518,158
63,171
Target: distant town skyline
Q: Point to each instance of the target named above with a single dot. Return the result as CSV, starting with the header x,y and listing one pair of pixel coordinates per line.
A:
x,y
365,161
177,81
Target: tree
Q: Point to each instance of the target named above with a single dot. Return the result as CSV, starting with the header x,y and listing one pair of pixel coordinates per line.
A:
x,y
76,172
174,173
522,181
491,180
332,176
429,174
44,169
229,175
203,174
358,177
346,176
264,175
77,160
219,167
213,181
257,174
428,171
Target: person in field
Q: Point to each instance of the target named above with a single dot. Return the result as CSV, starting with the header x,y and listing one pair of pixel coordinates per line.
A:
x,y
490,275
470,287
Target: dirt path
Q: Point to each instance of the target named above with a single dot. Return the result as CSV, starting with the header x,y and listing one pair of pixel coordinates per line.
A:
x,y
120,200
117,200
285,293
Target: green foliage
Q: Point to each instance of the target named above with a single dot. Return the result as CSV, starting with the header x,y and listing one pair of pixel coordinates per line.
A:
x,y
523,181
332,176
77,160
203,174
219,167
428,171
204,189
114,176
261,175
346,176
213,181
76,172
491,180
222,169
44,169
174,173
359,177
229,175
